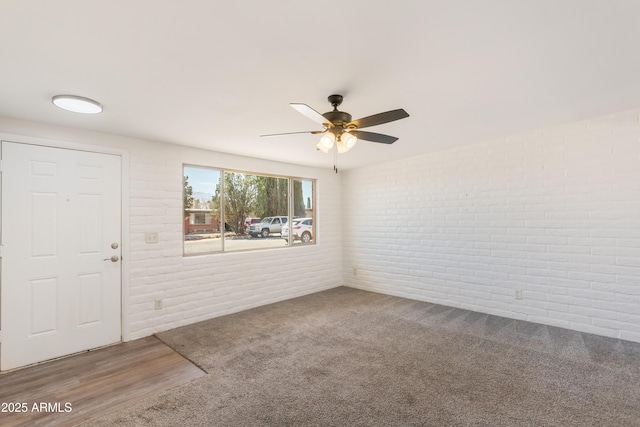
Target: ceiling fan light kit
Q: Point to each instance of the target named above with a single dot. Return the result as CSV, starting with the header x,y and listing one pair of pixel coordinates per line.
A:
x,y
340,130
346,142
326,142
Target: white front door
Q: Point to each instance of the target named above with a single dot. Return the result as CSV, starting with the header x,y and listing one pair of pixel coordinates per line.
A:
x,y
61,271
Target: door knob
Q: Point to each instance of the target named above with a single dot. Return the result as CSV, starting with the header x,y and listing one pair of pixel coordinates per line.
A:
x,y
112,259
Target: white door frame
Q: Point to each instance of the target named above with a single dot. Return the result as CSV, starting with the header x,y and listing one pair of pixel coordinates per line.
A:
x,y
124,155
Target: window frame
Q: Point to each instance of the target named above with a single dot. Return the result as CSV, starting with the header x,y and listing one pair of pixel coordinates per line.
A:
x,y
222,217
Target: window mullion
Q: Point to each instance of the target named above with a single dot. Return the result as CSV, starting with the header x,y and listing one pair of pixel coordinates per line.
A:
x,y
290,220
222,214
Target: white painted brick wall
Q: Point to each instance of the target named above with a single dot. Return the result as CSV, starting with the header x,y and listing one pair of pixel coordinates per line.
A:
x,y
202,287
554,213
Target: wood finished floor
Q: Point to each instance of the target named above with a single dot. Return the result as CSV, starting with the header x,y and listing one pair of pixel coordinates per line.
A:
x,y
93,383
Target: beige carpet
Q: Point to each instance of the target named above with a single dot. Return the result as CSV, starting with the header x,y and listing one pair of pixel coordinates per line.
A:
x,y
346,357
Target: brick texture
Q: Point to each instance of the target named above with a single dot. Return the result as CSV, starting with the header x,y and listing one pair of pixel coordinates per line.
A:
x,y
553,213
200,287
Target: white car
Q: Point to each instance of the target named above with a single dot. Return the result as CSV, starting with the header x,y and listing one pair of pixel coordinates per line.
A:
x,y
302,230
268,225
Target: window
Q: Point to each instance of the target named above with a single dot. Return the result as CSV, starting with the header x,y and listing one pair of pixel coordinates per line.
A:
x,y
303,230
199,218
235,211
201,213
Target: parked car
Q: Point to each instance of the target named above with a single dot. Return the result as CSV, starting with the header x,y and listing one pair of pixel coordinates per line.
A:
x,y
302,230
249,221
268,225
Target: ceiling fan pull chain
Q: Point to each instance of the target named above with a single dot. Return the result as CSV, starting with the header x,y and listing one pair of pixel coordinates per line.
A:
x,y
335,160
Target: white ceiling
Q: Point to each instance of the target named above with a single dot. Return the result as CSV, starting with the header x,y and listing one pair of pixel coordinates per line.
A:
x,y
216,74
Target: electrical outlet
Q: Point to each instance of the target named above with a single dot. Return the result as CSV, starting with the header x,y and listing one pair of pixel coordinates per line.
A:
x,y
518,294
151,237
158,304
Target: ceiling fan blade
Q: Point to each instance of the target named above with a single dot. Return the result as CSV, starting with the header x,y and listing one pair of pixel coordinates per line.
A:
x,y
309,112
373,137
378,119
314,132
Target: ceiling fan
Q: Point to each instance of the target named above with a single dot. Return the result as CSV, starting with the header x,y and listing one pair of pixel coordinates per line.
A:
x,y
340,130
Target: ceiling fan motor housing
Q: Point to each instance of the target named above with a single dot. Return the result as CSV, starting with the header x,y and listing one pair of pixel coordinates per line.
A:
x,y
338,118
